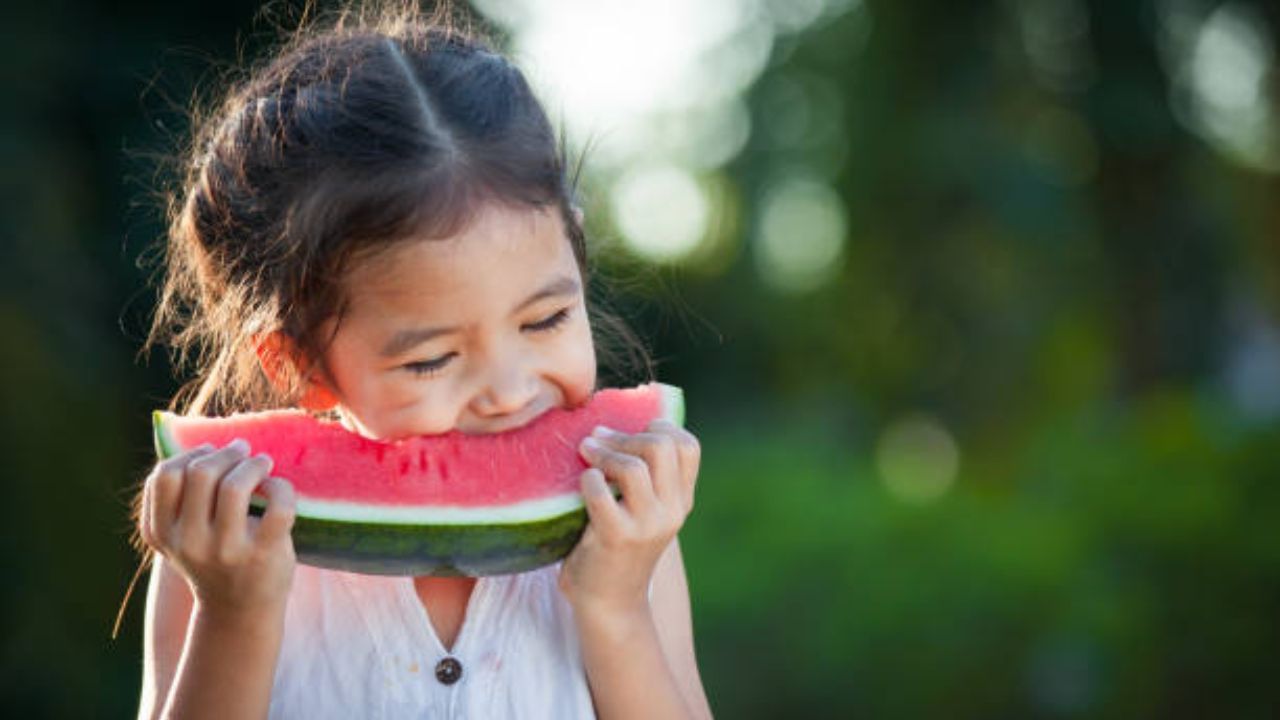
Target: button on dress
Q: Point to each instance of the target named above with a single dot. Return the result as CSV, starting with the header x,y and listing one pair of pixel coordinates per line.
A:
x,y
363,646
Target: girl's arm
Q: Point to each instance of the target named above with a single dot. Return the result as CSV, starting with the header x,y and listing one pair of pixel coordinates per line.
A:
x,y
225,666
674,619
643,665
164,633
637,645
216,598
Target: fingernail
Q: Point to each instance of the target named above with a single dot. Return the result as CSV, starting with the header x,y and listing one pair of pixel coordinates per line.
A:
x,y
591,444
240,445
270,463
602,431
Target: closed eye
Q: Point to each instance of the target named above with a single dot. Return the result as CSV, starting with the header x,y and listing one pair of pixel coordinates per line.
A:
x,y
550,323
430,367
435,365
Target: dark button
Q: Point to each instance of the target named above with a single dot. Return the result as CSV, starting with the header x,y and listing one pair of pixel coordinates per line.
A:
x,y
448,670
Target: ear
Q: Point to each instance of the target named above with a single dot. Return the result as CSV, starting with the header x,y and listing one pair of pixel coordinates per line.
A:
x,y
578,215
277,355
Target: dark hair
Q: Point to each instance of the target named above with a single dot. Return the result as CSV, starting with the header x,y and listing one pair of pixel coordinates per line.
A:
x,y
357,134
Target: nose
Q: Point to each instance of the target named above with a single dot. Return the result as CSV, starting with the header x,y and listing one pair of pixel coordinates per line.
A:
x,y
507,390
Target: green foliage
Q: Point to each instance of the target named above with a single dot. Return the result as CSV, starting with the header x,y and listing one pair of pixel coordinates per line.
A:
x,y
1124,567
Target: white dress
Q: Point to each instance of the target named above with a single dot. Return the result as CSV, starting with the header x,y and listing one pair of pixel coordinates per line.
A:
x,y
362,646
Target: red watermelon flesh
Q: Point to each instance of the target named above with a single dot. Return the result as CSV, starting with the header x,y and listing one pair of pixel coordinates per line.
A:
x,y
325,461
448,504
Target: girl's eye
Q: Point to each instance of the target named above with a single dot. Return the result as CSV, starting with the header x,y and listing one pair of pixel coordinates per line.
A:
x,y
430,367
435,365
550,323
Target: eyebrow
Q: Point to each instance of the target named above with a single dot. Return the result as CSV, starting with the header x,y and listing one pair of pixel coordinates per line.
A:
x,y
409,338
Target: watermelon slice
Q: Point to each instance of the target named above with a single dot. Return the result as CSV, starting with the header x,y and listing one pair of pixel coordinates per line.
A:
x,y
449,504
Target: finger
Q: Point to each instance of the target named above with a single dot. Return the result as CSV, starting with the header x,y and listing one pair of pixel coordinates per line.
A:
x,y
658,450
629,472
278,519
688,449
603,510
202,477
689,452
165,491
231,506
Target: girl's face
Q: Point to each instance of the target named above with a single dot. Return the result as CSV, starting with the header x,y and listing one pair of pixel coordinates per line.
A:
x,y
480,332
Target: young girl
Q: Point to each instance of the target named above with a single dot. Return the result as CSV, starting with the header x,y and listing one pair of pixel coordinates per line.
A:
x,y
377,226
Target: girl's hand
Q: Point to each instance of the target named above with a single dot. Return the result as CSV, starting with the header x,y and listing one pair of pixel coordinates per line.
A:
x,y
610,569
195,511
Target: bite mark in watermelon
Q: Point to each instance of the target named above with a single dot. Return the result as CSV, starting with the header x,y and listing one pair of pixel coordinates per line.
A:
x,y
449,504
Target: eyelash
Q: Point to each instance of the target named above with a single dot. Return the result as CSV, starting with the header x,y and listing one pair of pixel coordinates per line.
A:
x,y
431,367
550,323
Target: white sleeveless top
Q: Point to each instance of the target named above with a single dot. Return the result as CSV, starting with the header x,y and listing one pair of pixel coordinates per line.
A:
x,y
362,646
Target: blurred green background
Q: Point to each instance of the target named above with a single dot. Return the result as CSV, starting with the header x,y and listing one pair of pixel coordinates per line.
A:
x,y
977,306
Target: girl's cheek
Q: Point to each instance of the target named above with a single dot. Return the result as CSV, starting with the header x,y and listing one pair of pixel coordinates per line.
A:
x,y
402,406
578,365
432,413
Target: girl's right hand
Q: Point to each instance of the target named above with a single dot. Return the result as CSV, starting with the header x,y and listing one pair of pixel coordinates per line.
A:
x,y
195,511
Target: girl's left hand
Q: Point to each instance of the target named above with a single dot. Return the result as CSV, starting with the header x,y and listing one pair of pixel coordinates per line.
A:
x,y
610,568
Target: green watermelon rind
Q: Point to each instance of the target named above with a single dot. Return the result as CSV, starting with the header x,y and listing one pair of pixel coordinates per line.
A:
x,y
442,549
165,446
672,403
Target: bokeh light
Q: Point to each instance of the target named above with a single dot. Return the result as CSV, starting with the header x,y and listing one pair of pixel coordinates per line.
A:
x,y
1223,89
801,234
656,82
661,211
917,458
1055,36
